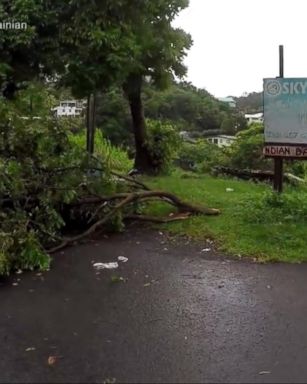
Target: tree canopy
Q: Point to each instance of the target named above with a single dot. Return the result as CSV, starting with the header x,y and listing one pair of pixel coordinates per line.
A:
x,y
92,45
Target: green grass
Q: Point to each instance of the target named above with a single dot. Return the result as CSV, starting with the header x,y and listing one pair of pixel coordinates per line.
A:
x,y
250,224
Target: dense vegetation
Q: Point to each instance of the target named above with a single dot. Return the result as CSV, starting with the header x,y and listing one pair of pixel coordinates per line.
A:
x,y
186,107
43,167
250,103
51,185
126,59
88,47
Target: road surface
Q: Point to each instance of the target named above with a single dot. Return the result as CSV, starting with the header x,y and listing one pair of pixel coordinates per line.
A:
x,y
180,313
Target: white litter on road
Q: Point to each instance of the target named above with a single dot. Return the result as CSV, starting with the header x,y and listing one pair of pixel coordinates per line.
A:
x,y
99,266
122,259
206,250
30,349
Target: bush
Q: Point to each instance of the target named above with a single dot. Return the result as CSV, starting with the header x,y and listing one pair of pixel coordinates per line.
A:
x,y
247,151
163,142
200,156
274,208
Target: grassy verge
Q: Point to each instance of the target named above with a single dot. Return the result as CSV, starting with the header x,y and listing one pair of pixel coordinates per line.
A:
x,y
254,222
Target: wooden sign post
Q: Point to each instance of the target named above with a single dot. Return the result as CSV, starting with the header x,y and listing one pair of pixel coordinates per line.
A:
x,y
278,161
285,119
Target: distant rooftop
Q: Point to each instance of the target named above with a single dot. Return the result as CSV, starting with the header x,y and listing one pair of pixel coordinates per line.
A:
x,y
228,99
256,115
224,137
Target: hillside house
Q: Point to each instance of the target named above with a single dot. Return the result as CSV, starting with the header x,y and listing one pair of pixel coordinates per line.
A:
x,y
72,108
254,118
222,140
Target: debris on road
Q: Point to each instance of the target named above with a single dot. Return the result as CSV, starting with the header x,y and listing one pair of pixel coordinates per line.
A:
x,y
122,259
52,360
206,250
264,373
112,265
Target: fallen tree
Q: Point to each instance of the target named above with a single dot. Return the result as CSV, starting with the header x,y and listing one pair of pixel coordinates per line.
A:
x,y
50,188
125,199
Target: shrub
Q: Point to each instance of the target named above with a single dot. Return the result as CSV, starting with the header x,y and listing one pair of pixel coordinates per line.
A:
x,y
247,151
200,156
163,142
273,208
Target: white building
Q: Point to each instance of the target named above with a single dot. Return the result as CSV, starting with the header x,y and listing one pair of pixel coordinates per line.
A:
x,y
222,140
71,108
254,118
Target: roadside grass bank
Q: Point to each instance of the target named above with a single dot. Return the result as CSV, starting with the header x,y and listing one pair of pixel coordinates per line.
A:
x,y
254,222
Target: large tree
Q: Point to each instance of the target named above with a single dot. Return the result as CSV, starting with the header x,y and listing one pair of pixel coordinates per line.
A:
x,y
125,42
161,49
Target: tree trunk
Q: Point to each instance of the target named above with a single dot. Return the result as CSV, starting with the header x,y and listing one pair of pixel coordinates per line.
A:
x,y
90,123
133,88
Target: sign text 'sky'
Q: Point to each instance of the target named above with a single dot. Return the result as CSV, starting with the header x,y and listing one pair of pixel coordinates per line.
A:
x,y
294,88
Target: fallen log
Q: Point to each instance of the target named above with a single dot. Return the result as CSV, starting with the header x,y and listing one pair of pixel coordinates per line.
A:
x,y
245,174
255,175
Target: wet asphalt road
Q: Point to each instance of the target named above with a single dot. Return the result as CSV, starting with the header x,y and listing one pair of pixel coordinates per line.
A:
x,y
182,315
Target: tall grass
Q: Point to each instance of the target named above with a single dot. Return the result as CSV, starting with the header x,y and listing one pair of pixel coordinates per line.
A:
x,y
116,158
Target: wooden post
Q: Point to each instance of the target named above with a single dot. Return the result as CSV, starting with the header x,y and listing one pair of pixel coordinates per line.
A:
x,y
90,123
278,161
281,61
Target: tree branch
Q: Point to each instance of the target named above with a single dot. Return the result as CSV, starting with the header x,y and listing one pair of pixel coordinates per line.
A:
x,y
128,198
92,229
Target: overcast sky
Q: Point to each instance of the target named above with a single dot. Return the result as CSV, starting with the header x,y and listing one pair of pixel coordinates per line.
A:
x,y
236,42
